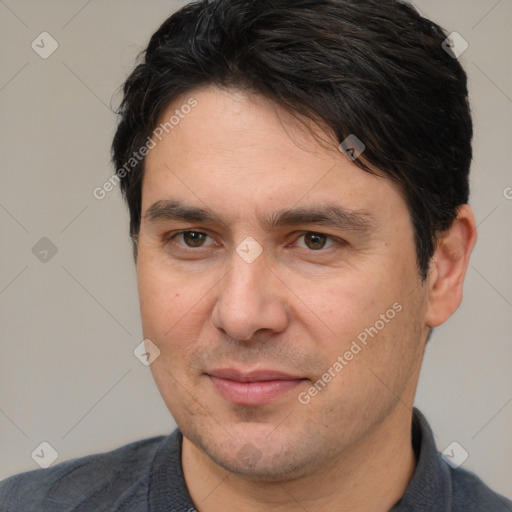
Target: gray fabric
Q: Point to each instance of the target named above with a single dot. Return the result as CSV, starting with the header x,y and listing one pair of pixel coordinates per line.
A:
x,y
146,476
436,486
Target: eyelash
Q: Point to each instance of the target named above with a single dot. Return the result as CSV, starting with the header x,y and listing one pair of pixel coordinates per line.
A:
x,y
335,241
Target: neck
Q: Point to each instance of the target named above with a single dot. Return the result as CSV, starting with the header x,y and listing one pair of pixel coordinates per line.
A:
x,y
370,477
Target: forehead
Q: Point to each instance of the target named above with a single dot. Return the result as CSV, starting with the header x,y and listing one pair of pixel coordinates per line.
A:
x,y
233,150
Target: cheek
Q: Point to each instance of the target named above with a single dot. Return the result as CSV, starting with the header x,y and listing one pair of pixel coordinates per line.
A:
x,y
166,298
346,304
368,316
174,309
156,299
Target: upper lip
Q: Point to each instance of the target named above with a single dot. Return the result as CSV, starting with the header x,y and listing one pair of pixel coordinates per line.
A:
x,y
253,376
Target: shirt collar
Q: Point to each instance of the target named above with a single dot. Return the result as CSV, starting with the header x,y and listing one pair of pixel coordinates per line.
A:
x,y
429,488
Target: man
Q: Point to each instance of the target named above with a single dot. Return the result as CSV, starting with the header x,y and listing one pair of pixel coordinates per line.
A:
x,y
297,180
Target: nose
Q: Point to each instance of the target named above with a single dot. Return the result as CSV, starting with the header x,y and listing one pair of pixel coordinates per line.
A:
x,y
251,299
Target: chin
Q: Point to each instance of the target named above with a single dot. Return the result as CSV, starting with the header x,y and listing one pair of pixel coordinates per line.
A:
x,y
256,451
268,466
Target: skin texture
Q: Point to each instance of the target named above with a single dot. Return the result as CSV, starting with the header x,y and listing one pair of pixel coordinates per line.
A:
x,y
297,307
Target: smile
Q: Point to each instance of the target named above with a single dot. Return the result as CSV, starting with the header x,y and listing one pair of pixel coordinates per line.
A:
x,y
254,388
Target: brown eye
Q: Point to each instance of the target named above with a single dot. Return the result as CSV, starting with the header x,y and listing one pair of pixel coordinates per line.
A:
x,y
193,238
315,241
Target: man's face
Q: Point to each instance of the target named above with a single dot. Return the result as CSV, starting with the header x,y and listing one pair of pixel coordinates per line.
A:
x,y
244,336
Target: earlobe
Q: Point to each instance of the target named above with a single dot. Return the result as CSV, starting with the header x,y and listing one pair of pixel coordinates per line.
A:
x,y
448,267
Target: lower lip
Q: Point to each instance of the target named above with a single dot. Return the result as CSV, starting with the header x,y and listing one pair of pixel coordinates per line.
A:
x,y
254,393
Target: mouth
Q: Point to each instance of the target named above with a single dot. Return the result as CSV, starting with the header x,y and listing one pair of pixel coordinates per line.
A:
x,y
254,388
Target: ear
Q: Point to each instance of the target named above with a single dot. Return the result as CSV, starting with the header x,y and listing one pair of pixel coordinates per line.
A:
x,y
448,267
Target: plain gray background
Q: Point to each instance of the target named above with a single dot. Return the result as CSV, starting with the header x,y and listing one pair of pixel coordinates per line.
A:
x,y
70,324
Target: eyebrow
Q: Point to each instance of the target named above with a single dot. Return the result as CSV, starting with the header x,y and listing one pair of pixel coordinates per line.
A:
x,y
328,215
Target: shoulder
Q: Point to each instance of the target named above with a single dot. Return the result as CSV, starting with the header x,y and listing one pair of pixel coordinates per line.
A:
x,y
470,493
437,485
101,479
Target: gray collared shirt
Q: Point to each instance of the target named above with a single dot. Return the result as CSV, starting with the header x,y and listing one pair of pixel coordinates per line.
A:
x,y
147,476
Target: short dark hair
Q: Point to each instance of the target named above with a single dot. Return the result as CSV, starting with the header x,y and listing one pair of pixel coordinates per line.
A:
x,y
373,68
